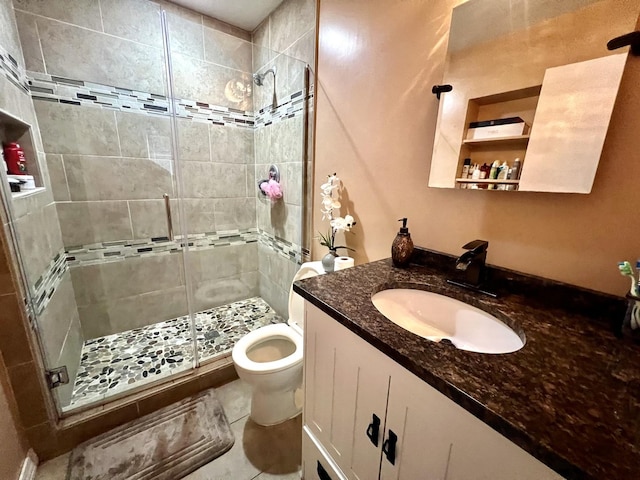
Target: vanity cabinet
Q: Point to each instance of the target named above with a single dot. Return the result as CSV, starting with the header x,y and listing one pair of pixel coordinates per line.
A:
x,y
370,418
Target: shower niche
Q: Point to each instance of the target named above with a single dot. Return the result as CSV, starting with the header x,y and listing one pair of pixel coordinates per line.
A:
x,y
13,130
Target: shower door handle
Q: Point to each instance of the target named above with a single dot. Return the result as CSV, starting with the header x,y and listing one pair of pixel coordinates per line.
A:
x,y
167,207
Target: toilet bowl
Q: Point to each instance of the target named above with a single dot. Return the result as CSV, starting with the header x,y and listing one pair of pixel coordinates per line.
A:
x,y
270,360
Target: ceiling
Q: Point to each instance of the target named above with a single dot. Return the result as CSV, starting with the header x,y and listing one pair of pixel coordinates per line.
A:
x,y
246,14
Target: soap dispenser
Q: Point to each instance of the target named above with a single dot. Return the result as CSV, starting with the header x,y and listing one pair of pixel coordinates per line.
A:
x,y
402,246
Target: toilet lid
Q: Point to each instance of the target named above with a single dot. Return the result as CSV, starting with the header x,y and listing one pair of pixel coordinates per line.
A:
x,y
296,302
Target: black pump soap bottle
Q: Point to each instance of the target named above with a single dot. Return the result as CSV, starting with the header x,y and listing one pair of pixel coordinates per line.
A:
x,y
402,246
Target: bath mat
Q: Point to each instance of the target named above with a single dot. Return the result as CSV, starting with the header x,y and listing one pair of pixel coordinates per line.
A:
x,y
166,445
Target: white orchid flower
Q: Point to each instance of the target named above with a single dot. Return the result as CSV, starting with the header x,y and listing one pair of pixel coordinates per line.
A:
x,y
349,220
330,195
339,223
326,188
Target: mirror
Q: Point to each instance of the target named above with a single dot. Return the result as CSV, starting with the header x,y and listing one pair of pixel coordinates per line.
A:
x,y
532,80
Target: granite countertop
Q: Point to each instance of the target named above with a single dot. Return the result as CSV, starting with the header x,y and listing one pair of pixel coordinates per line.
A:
x,y
570,397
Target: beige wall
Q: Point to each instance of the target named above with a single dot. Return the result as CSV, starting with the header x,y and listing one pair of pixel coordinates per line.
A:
x,y
375,127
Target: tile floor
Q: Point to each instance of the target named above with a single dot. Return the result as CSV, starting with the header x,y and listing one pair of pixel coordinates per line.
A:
x,y
116,363
258,453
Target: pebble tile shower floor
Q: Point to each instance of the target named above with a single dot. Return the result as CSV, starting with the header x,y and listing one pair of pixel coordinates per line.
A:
x,y
122,361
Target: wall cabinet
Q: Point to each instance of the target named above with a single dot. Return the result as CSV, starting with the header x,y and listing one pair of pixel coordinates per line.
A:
x,y
569,116
536,61
371,418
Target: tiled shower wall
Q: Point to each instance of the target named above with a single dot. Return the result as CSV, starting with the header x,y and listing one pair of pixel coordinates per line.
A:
x,y
106,133
35,222
285,39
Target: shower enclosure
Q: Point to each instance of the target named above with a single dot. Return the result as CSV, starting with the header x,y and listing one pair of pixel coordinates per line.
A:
x,y
148,248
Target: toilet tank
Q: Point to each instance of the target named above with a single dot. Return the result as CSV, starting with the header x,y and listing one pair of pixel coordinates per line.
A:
x,y
296,302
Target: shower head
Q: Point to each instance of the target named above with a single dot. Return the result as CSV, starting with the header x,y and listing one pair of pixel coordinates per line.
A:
x,y
258,78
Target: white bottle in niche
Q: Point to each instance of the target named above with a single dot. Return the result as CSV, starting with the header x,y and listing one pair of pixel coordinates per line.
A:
x,y
503,171
465,171
515,174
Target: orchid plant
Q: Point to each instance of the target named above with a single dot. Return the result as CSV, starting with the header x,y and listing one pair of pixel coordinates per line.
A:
x,y
330,193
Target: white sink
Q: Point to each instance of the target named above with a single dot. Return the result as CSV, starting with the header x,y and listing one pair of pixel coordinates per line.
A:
x,y
436,317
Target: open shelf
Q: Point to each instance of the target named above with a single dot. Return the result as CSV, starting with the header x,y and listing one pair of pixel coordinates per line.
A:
x,y
27,193
15,130
507,148
486,181
515,140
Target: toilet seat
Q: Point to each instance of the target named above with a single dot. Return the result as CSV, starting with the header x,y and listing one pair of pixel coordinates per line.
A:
x,y
239,352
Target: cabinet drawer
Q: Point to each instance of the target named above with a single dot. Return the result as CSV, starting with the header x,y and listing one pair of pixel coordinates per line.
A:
x,y
316,464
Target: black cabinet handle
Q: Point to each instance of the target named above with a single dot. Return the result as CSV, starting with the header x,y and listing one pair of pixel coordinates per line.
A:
x,y
389,447
373,430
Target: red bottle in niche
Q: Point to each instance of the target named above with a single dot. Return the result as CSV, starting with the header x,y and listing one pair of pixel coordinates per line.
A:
x,y
14,156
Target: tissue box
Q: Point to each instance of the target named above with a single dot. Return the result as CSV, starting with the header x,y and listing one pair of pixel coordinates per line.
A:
x,y
501,127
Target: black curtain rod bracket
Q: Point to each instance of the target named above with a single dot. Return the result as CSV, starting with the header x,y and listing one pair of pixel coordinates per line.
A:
x,y
437,90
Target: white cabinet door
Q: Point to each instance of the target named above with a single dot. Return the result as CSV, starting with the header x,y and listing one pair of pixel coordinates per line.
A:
x,y
347,381
481,453
570,126
316,464
346,384
423,426
438,439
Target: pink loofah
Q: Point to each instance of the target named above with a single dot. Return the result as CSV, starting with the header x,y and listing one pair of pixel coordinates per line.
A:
x,y
271,189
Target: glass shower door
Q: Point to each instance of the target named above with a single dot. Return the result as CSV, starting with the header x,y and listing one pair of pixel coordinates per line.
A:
x,y
232,122
105,274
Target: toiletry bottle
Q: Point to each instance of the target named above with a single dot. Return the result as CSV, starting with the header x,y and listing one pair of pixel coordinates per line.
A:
x,y
484,173
465,171
510,177
515,174
502,175
14,156
402,246
493,173
475,175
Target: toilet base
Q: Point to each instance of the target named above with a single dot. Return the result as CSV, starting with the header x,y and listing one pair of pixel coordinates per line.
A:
x,y
271,408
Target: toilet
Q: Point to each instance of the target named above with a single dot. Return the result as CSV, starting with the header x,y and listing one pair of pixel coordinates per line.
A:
x,y
270,360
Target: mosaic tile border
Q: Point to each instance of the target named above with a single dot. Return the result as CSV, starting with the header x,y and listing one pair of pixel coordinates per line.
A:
x,y
48,282
68,91
12,70
285,248
293,106
120,250
53,88
106,252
